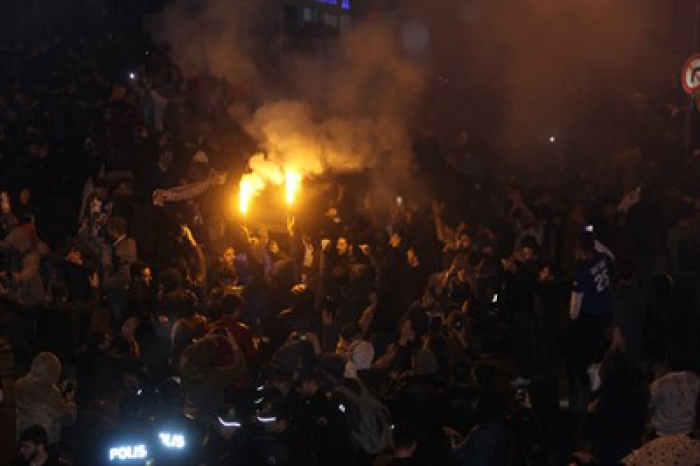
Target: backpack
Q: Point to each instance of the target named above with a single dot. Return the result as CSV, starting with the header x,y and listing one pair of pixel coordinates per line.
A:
x,y
224,346
371,428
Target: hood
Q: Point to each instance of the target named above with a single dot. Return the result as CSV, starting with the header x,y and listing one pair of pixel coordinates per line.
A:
x,y
46,367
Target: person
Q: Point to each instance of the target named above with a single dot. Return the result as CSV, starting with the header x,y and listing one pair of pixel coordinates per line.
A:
x,y
367,419
123,248
230,309
458,345
616,419
405,444
413,276
358,352
128,328
521,279
26,283
453,405
34,449
549,306
299,317
96,210
98,409
629,311
116,261
223,274
591,309
187,328
316,414
682,242
674,397
141,303
203,382
675,449
229,442
284,444
306,256
458,286
39,400
160,175
486,443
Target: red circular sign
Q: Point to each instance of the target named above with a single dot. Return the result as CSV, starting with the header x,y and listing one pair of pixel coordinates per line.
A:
x,y
690,78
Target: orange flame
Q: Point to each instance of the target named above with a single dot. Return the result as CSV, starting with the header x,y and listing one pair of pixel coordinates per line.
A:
x,y
292,180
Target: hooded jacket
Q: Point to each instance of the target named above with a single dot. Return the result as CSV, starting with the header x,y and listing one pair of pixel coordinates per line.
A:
x,y
40,402
28,288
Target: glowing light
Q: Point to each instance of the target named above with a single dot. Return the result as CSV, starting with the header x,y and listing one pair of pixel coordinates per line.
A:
x,y
267,419
341,408
292,183
229,423
244,195
172,440
251,184
128,452
552,139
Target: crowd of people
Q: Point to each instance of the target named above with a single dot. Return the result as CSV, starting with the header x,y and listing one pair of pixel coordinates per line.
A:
x,y
506,323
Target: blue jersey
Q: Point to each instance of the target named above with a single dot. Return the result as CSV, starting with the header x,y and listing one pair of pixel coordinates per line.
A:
x,y
592,279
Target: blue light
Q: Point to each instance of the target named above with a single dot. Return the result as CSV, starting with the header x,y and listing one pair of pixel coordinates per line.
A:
x,y
344,4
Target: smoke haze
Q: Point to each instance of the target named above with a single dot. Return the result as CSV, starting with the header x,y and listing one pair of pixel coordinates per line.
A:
x,y
344,109
522,69
514,70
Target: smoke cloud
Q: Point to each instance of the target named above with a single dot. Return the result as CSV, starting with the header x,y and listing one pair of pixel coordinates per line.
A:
x,y
513,71
519,70
343,109
223,38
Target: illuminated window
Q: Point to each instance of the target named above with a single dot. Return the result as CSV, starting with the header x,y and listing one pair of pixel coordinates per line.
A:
x,y
344,4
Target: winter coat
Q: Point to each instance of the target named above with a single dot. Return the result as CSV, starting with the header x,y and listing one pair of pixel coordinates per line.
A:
x,y
40,402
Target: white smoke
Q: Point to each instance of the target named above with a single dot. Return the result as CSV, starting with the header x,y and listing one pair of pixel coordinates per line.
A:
x,y
348,109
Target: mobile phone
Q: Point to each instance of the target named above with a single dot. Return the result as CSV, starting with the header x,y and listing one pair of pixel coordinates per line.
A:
x,y
589,228
399,200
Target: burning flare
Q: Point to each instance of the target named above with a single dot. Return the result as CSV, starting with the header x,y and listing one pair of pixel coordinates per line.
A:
x,y
251,184
292,183
264,172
